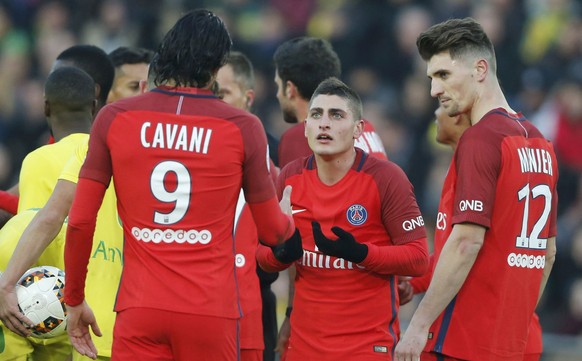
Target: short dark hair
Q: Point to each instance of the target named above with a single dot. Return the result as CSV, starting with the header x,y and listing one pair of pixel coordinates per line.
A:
x,y
334,86
70,88
95,62
458,36
130,55
242,69
306,62
193,50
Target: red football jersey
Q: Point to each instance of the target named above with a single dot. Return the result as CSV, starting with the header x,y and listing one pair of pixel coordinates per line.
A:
x,y
293,144
246,242
342,310
503,177
179,157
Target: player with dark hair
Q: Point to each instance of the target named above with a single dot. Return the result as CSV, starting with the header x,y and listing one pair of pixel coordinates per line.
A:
x,y
301,65
69,108
449,131
176,204
67,103
495,245
236,81
358,227
131,66
42,230
95,62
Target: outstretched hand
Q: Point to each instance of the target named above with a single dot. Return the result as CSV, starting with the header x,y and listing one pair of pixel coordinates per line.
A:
x,y
345,246
10,313
79,318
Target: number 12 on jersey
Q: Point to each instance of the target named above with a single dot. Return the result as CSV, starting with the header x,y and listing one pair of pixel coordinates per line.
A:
x,y
533,241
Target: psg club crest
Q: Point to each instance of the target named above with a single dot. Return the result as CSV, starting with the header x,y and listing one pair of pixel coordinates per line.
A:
x,y
357,214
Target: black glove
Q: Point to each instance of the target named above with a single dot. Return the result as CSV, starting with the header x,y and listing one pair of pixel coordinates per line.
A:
x,y
290,250
344,247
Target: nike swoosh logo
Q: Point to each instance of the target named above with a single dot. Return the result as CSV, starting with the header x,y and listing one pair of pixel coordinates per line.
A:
x,y
293,211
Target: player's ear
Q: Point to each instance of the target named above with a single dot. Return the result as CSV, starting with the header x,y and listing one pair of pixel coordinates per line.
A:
x,y
249,98
143,86
291,90
481,69
358,129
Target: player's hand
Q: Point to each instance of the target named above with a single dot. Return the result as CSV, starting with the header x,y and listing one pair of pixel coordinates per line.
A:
x,y
79,318
290,250
285,202
405,290
345,246
10,313
283,337
411,344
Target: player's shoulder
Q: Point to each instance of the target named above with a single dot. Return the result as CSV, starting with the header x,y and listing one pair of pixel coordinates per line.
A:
x,y
297,131
383,171
297,166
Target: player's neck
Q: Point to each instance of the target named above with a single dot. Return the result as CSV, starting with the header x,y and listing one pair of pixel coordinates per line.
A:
x,y
302,107
332,168
490,98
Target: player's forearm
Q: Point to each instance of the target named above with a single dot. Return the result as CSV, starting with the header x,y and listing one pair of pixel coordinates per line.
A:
x,y
43,228
453,266
420,284
267,260
550,259
410,259
273,226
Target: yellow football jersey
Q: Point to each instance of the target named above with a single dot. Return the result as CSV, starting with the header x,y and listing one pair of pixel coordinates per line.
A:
x,y
41,169
105,265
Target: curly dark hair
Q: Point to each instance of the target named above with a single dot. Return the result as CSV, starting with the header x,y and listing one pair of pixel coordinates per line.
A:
x,y
192,51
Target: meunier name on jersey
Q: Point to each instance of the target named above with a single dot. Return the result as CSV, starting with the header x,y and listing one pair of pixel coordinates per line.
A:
x,y
535,160
177,137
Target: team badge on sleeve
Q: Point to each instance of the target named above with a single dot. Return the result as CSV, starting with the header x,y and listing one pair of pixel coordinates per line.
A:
x,y
357,214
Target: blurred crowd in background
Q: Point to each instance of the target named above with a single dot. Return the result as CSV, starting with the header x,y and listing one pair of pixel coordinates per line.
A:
x,y
539,57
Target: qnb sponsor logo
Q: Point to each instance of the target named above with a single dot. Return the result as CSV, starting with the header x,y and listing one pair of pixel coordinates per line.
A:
x,y
472,205
191,236
526,261
411,224
319,260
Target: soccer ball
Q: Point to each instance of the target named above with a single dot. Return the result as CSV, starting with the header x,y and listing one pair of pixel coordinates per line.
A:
x,y
41,298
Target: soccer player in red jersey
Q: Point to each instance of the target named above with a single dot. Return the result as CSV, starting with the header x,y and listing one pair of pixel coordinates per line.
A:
x,y
179,157
449,131
301,64
495,243
236,81
358,227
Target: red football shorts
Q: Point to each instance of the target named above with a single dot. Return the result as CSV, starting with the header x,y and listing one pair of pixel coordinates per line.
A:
x,y
148,334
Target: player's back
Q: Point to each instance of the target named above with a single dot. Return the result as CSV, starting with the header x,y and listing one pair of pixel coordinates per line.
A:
x,y
178,158
519,216
41,169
